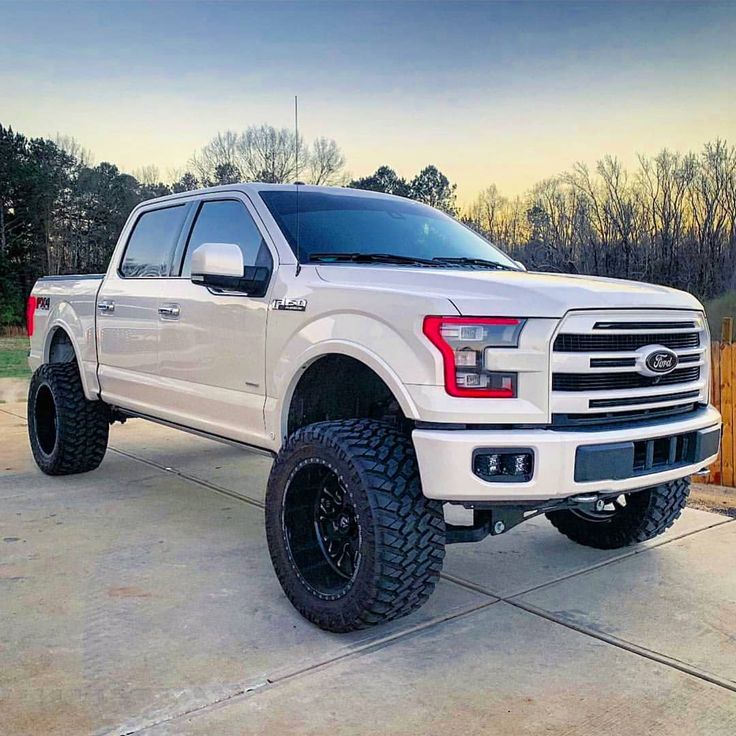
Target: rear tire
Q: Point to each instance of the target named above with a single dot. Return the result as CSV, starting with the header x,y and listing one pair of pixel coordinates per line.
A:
x,y
68,433
353,540
645,515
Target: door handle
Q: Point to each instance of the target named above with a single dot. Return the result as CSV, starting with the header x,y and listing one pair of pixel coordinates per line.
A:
x,y
169,311
106,306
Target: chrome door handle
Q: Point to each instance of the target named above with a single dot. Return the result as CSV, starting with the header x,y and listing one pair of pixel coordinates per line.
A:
x,y
106,306
169,311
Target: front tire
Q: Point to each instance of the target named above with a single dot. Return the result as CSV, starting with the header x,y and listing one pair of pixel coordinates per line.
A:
x,y
68,433
632,517
353,540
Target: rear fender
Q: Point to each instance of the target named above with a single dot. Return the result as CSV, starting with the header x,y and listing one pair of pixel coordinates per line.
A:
x,y
82,336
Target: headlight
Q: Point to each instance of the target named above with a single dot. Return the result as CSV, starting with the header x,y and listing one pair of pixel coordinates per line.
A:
x,y
462,341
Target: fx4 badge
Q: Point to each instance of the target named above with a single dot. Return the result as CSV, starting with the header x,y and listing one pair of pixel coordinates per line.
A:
x,y
289,305
43,302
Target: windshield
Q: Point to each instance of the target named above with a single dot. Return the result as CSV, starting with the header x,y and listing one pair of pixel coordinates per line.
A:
x,y
361,225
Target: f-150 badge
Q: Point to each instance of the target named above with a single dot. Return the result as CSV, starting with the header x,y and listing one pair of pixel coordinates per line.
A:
x,y
289,305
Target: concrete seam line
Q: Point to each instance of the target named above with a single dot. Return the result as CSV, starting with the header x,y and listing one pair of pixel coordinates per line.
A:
x,y
469,585
619,558
224,699
478,588
381,642
191,478
627,646
278,679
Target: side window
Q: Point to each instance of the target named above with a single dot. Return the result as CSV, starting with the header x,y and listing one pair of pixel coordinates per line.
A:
x,y
150,245
227,221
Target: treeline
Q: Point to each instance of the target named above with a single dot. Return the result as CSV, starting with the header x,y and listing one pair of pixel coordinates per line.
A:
x,y
670,221
60,213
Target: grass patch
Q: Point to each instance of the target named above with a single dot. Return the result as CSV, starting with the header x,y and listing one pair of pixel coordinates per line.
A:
x,y
717,309
14,357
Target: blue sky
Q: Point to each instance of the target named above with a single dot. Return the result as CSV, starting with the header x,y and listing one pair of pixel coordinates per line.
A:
x,y
490,92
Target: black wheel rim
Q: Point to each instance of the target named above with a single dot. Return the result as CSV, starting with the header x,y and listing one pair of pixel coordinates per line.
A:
x,y
44,415
321,528
614,506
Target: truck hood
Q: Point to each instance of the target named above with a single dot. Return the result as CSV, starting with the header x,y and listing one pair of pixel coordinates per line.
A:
x,y
511,293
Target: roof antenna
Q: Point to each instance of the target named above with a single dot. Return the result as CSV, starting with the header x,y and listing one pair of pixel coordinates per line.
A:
x,y
297,182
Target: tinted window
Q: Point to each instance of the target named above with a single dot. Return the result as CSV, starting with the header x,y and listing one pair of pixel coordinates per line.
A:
x,y
228,221
151,243
341,223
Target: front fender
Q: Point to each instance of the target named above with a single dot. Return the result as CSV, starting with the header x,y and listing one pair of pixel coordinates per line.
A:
x,y
335,334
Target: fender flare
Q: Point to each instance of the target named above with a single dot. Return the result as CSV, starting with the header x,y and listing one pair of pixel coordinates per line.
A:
x,y
63,318
349,349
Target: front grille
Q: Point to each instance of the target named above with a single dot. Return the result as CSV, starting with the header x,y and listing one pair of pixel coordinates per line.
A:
x,y
568,343
595,365
613,381
607,403
643,325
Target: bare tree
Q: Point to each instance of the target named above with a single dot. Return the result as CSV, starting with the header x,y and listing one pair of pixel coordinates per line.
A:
x,y
75,149
326,162
267,154
220,154
147,175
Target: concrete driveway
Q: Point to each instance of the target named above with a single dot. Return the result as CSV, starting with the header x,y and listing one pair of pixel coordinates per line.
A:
x,y
139,599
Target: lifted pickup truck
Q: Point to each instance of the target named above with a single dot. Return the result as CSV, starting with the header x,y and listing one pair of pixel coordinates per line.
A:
x,y
392,361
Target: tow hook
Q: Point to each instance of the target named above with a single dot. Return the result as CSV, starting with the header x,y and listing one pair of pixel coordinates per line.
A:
x,y
493,521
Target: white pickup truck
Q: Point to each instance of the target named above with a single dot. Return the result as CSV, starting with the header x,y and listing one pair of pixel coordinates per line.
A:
x,y
392,361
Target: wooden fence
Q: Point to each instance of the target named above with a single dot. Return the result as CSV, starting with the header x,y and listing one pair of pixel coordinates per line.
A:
x,y
723,395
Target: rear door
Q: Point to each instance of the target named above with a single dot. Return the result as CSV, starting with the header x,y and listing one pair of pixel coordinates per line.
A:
x,y
127,321
212,343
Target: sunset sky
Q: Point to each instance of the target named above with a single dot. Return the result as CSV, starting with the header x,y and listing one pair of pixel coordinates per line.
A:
x,y
489,92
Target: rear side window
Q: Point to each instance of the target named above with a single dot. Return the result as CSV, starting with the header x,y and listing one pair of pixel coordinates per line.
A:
x,y
152,242
228,221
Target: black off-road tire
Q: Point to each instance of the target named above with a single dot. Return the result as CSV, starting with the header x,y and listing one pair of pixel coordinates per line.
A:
x,y
401,533
68,433
646,515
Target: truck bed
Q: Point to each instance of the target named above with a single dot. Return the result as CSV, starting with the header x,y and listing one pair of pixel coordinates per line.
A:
x,y
68,302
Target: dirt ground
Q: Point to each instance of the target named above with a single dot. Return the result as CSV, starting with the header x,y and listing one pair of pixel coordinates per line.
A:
x,y
720,499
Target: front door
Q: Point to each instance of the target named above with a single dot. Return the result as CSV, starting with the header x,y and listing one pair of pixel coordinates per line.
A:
x,y
212,343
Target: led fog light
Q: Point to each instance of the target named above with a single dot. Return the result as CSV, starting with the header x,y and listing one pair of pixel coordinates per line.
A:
x,y
507,465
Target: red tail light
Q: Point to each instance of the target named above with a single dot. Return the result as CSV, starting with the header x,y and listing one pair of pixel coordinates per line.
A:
x,y
462,341
30,314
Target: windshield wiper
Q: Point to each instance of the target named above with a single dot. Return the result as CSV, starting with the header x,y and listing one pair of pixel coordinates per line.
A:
x,y
476,262
371,258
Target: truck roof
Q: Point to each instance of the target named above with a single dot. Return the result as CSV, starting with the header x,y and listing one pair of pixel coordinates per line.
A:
x,y
254,187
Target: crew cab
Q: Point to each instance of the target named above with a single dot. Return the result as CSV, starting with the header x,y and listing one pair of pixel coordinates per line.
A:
x,y
392,361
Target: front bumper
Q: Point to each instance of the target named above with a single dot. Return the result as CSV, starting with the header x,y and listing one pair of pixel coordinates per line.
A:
x,y
605,462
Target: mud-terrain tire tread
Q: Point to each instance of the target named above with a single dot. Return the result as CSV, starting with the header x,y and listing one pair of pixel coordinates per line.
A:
x,y
407,529
651,512
83,425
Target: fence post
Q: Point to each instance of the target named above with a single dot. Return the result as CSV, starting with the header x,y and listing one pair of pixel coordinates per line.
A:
x,y
727,329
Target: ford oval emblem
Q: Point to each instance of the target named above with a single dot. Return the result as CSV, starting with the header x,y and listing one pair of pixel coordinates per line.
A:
x,y
661,360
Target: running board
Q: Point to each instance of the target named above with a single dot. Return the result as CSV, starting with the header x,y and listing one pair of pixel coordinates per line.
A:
x,y
123,414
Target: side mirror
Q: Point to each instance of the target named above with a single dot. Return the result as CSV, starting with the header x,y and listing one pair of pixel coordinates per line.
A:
x,y
219,266
520,265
